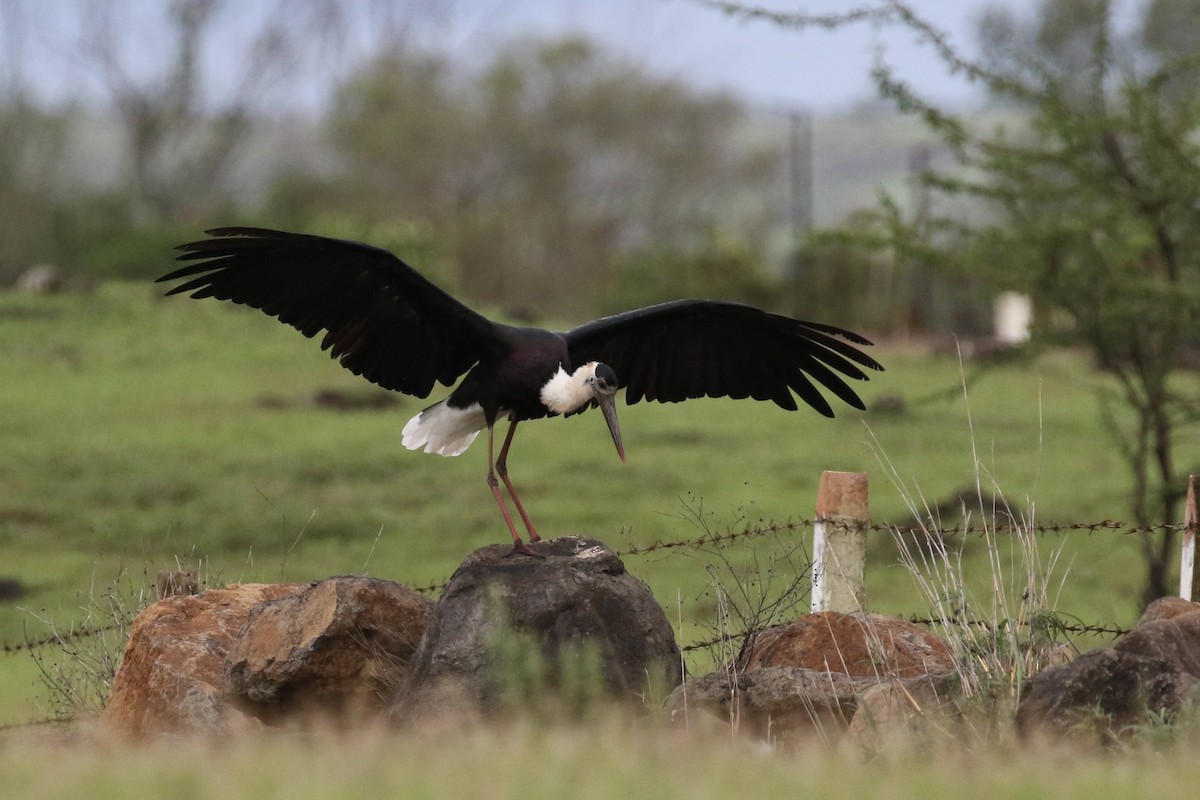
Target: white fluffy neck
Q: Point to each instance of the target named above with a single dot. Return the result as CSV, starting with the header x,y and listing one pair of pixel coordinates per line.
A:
x,y
567,392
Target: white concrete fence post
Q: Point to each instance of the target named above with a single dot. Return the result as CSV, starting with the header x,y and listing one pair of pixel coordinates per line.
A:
x,y
840,543
1187,560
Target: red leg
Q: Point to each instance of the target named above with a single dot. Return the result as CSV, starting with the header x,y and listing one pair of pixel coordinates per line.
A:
x,y
502,468
518,545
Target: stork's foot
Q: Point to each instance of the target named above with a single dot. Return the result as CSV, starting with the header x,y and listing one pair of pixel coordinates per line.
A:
x,y
523,549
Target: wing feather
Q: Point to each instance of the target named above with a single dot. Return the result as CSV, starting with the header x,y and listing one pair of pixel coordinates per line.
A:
x,y
381,318
697,348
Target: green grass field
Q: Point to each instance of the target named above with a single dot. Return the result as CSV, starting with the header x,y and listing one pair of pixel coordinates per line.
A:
x,y
139,433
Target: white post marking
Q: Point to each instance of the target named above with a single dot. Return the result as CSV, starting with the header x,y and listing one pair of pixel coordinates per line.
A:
x,y
1187,566
840,543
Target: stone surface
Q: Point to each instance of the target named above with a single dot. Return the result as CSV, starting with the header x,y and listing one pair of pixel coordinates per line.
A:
x,y
807,676
575,615
342,644
858,645
172,674
236,658
906,716
770,702
40,279
1152,669
1167,608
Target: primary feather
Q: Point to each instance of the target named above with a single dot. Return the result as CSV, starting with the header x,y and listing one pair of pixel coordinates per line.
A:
x,y
702,348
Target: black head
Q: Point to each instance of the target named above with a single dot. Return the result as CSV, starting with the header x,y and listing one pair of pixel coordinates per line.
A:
x,y
606,379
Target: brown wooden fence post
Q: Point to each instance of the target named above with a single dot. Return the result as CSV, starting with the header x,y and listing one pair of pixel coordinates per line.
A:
x,y
840,543
1187,561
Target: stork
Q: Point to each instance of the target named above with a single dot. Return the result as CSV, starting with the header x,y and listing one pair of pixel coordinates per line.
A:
x,y
384,321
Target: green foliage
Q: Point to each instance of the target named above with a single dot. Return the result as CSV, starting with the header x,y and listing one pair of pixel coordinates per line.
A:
x,y
1089,206
723,268
33,147
105,246
530,177
539,174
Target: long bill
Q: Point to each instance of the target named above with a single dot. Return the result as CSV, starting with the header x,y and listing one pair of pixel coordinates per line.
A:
x,y
608,405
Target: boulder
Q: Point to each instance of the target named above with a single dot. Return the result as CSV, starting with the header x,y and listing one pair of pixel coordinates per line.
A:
x,y
1153,669
40,279
172,674
340,645
770,702
1168,608
859,645
519,630
907,715
236,658
807,676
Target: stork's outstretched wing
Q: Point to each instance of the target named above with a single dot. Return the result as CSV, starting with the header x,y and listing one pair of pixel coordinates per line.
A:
x,y
381,318
698,348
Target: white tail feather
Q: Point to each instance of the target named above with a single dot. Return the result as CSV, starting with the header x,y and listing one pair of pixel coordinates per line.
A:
x,y
443,429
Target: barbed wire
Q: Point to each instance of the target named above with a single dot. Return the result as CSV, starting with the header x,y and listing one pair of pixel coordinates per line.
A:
x,y
709,539
807,524
1078,628
1072,627
10,648
9,727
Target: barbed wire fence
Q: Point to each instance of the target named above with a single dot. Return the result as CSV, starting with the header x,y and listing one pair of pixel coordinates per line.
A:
x,y
710,539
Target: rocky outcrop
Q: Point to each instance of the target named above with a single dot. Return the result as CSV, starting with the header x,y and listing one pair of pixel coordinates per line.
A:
x,y
172,674
518,630
860,645
770,702
1153,669
339,645
249,654
903,716
809,675
570,626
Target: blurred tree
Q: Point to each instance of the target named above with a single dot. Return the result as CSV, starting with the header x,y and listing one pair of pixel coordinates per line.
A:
x,y
33,146
1089,204
161,117
1091,207
181,140
720,266
545,169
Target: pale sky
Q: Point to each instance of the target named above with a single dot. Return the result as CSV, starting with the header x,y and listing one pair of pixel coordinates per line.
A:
x,y
770,67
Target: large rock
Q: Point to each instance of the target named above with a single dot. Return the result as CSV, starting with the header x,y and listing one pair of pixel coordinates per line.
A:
x,y
40,279
520,629
172,675
1152,669
808,675
859,645
770,702
906,716
337,646
238,657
